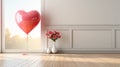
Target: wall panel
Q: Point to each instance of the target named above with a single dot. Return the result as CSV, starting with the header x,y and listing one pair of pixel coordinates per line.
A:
x,y
118,38
92,38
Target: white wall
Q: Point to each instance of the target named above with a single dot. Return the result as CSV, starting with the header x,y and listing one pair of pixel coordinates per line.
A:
x,y
82,12
86,25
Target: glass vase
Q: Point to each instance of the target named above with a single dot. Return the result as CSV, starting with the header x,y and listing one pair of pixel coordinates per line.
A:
x,y
48,51
54,49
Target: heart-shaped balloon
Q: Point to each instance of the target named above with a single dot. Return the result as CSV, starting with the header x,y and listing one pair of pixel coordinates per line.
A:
x,y
27,20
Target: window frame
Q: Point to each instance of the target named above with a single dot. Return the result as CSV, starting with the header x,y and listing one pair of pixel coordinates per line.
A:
x,y
2,33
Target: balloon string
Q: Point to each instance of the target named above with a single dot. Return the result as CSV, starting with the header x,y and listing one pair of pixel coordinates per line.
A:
x,y
27,43
27,39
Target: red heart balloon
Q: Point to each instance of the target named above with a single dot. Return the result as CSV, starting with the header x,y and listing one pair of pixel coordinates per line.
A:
x,y
27,20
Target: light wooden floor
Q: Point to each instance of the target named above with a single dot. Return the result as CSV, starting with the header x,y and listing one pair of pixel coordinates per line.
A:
x,y
60,60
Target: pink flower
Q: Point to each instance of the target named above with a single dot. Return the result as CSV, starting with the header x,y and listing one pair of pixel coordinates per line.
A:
x,y
59,36
57,33
53,35
50,32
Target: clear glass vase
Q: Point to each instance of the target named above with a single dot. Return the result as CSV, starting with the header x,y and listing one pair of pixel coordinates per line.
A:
x,y
48,51
54,49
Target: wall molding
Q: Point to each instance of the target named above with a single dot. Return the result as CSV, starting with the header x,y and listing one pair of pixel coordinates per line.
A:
x,y
78,26
72,28
84,25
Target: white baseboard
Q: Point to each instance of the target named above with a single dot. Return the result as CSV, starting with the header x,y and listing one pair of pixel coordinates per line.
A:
x,y
78,51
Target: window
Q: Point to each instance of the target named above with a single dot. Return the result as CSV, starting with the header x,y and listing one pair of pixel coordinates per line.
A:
x,y
14,38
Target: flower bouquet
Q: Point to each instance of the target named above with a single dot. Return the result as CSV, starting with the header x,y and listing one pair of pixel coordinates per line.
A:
x,y
53,35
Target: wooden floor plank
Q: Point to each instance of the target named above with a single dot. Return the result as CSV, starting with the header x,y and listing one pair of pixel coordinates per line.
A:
x,y
60,60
